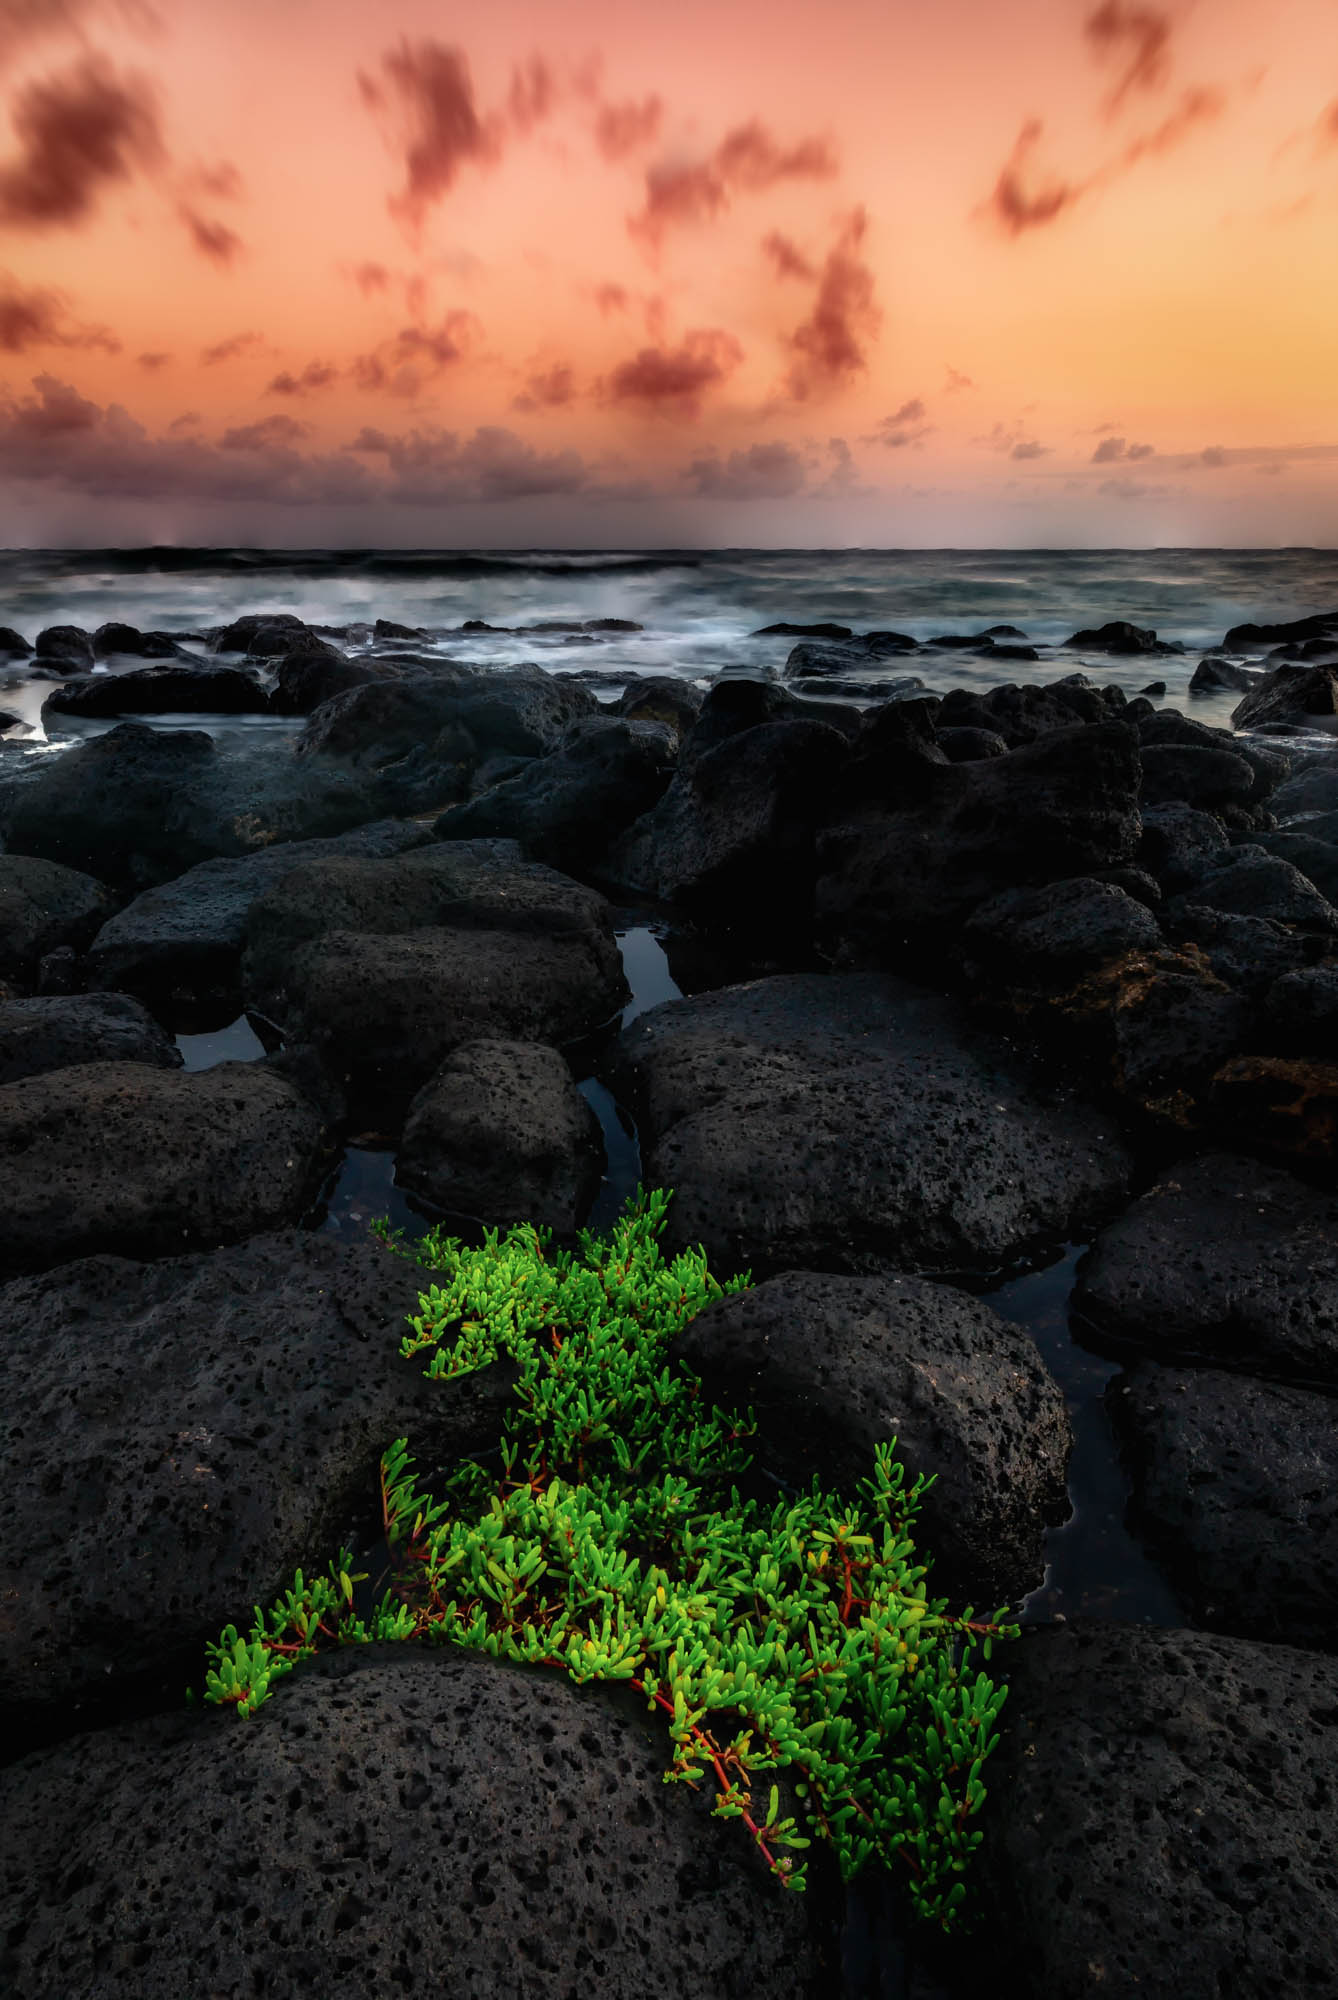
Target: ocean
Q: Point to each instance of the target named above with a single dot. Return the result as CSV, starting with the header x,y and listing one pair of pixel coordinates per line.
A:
x,y
698,610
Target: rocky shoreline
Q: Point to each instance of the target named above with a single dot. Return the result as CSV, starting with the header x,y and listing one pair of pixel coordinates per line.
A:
x,y
1006,971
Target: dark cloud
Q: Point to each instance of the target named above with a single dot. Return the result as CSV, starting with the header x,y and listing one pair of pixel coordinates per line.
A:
x,y
1112,448
435,468
790,261
611,298
229,349
905,426
1141,451
1012,440
78,132
1138,37
1213,457
316,375
621,129
1029,448
955,380
40,317
400,365
532,95
747,160
674,379
552,389
213,240
763,472
830,345
1130,489
59,438
434,93
270,430
188,421
153,361
371,278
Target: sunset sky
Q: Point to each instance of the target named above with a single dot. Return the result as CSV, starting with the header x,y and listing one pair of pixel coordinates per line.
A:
x,y
750,272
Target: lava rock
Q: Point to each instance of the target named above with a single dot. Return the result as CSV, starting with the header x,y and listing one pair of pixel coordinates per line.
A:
x,y
180,690
315,672
146,1161
1119,636
968,745
1161,1022
1163,1816
1287,1107
185,937
850,1123
1300,1012
833,1366
58,1031
1311,789
502,1133
1048,937
417,1822
783,630
1226,1261
13,645
67,645
1247,953
1305,697
1236,1488
1247,882
1193,775
1316,859
1318,625
179,1437
264,634
566,807
119,806
1217,676
114,638
661,698
44,905
1177,843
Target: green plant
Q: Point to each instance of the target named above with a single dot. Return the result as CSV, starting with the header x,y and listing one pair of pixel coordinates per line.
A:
x,y
788,1634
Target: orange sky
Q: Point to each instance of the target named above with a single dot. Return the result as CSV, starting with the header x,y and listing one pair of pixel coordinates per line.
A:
x,y
992,272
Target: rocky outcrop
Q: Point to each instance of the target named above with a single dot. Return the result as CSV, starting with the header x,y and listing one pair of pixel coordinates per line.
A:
x,y
61,1030
44,905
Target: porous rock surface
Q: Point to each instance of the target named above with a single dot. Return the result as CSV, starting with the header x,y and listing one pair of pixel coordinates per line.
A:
x,y
393,1820
1223,1260
179,1437
1236,1487
502,1133
833,1366
1163,1817
125,1157
44,905
60,1030
851,1122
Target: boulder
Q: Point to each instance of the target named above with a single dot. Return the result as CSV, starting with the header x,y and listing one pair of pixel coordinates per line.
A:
x,y
1311,789
833,1366
1059,807
44,905
1247,953
1316,859
1163,1817
966,745
1217,676
1300,1011
180,689
1281,1105
263,634
184,939
520,710
1301,697
1177,842
661,698
116,638
315,672
1224,1261
13,645
1270,764
1160,1022
565,808
66,646
419,1822
1193,775
61,1030
1246,882
146,1161
121,806
784,630
1049,937
179,1437
732,836
501,1133
1119,636
1236,1489
1292,631
853,1123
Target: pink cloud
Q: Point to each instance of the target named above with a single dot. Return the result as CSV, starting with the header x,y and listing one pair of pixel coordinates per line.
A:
x,y
762,472
78,132
432,467
1139,36
434,93
229,349
399,365
621,129
551,389
747,160
213,240
40,317
790,262
831,344
316,375
674,380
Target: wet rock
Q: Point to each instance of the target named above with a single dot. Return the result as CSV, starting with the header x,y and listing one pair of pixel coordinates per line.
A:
x,y
1023,714
13,645
1236,1488
1217,676
1119,636
1177,842
67,646
502,1133
179,690
1269,764
1193,775
1224,1260
1248,953
1312,789
119,806
264,634
1162,1816
787,631
313,672
661,698
1319,625
9,720
185,937
967,745
1247,882
1297,695
114,638
1300,1012
44,905
833,1366
180,1437
565,808
144,1161
853,1122
1049,937
386,628
732,836
1059,807
1161,1022
425,1822
1316,859
58,1031
1285,1107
